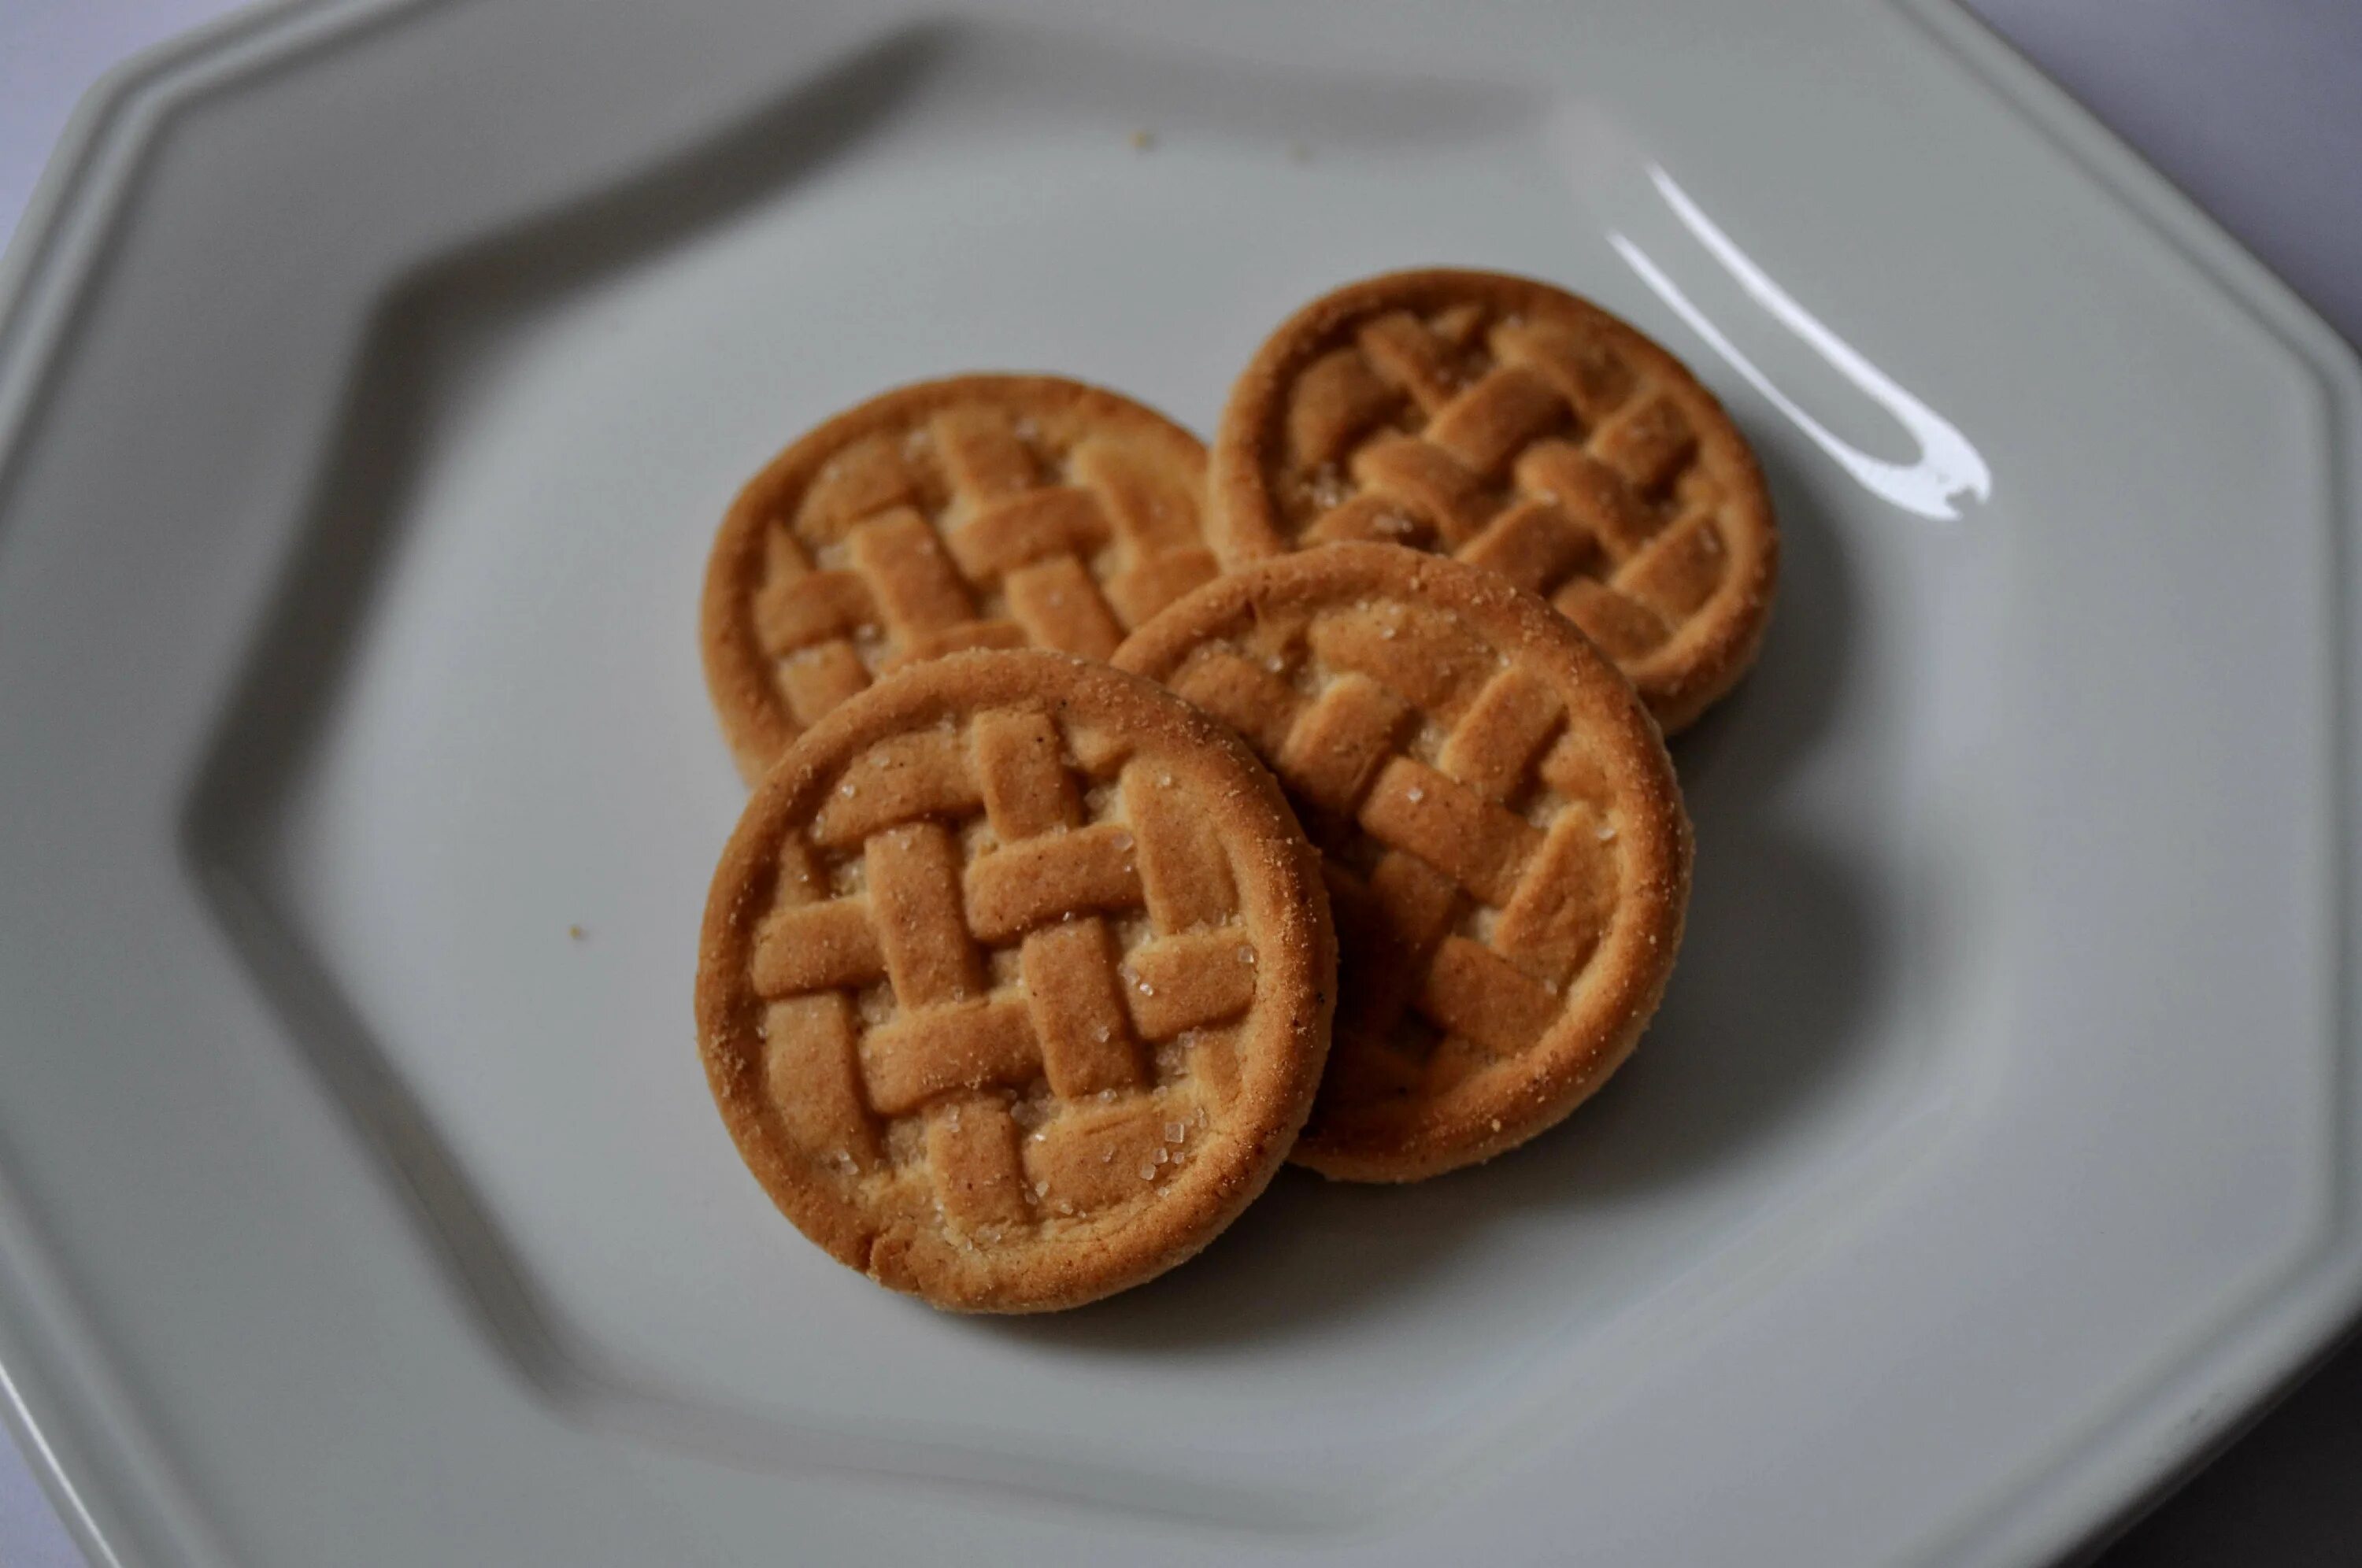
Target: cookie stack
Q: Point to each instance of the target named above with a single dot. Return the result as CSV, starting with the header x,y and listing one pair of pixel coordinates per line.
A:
x,y
1127,821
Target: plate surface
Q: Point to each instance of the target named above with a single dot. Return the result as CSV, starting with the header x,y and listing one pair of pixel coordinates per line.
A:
x,y
370,385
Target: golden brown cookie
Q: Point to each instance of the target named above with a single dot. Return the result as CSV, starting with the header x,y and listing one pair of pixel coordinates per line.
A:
x,y
1015,981
1519,428
978,511
1503,840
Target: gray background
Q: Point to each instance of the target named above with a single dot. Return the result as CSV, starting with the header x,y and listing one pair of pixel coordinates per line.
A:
x,y
2253,106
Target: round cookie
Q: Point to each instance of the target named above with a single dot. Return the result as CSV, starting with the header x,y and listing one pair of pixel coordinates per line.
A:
x,y
1015,981
1522,429
1503,838
976,512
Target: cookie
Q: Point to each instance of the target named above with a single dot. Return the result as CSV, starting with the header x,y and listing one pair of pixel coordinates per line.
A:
x,y
1518,428
1504,841
1015,981
978,511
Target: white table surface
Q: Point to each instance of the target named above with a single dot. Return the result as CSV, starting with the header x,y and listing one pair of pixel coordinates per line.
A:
x,y
2253,106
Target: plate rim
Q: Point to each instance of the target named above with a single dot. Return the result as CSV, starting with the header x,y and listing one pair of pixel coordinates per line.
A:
x,y
2139,1455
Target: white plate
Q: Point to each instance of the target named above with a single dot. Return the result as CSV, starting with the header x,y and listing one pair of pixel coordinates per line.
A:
x,y
371,379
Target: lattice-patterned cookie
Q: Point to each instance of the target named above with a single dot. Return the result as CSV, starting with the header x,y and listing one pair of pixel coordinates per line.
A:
x,y
1521,429
1503,840
979,512
1015,981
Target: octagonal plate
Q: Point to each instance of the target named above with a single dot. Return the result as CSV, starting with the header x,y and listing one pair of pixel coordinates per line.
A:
x,y
372,378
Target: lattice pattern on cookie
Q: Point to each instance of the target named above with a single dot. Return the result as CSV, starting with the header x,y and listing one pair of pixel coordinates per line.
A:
x,y
971,525
1469,837
1533,447
994,973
